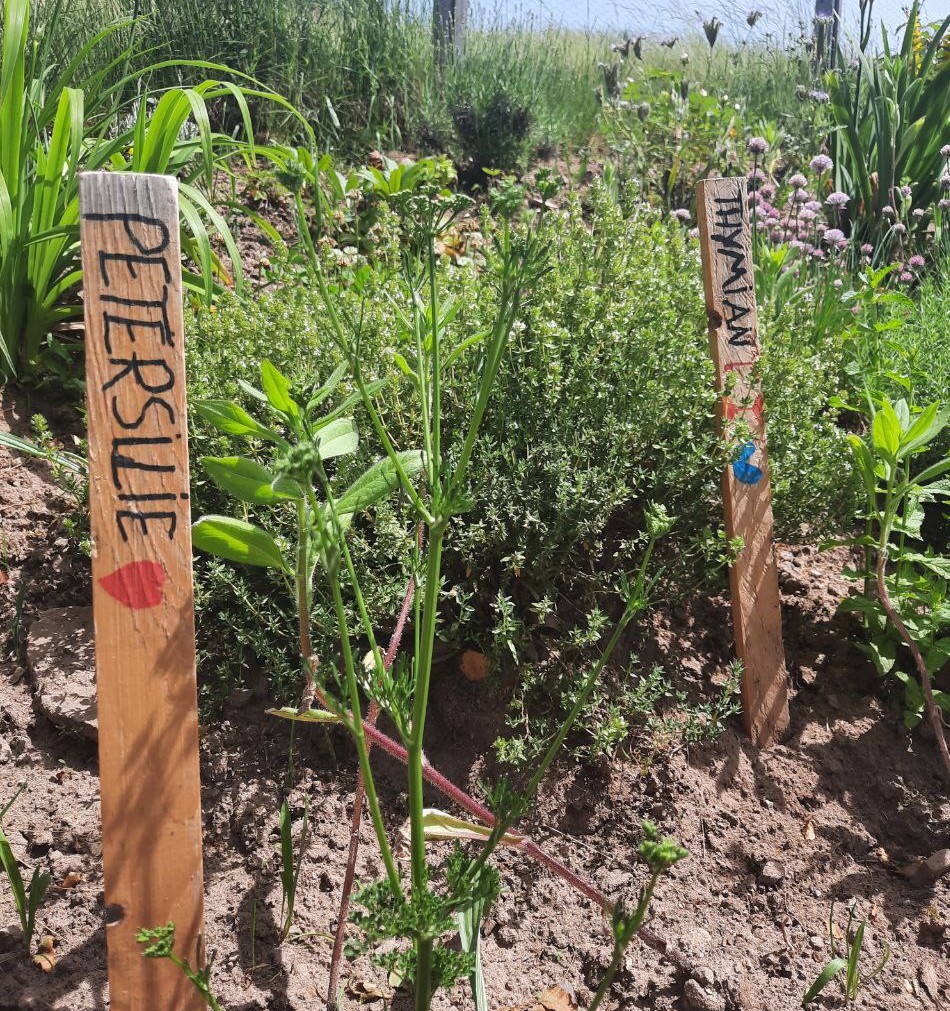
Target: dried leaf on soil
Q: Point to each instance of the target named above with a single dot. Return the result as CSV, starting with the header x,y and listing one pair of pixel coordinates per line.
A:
x,y
556,998
45,958
365,993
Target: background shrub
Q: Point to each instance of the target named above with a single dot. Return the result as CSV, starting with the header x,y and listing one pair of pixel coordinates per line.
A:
x,y
604,404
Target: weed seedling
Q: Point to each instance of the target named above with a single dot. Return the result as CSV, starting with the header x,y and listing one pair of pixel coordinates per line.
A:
x,y
290,869
846,962
659,854
27,899
160,943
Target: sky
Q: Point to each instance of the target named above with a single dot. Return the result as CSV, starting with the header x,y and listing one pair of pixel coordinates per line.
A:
x,y
679,16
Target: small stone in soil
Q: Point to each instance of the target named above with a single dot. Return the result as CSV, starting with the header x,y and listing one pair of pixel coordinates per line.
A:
x,y
926,873
695,998
772,874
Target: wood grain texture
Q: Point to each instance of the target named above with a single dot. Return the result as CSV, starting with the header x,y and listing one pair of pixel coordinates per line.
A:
x,y
729,281
143,601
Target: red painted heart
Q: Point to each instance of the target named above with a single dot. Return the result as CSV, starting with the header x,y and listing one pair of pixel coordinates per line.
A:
x,y
136,585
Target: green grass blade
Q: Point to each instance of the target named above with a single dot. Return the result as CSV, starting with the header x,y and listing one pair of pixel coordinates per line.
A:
x,y
9,863
827,975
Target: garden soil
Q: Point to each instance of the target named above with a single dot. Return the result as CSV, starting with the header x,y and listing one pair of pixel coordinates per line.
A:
x,y
832,815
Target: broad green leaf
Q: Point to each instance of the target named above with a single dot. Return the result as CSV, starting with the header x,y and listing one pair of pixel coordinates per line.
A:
x,y
927,475
938,655
246,479
328,387
379,481
923,431
287,488
277,389
252,391
935,563
913,699
337,439
829,972
237,541
885,431
228,417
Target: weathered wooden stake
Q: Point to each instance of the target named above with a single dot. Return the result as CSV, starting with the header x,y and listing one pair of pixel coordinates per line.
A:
x,y
143,603
728,277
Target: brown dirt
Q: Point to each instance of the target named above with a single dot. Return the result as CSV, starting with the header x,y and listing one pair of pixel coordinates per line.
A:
x,y
775,836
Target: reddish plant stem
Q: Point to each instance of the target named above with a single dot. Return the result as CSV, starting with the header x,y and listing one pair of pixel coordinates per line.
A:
x,y
336,959
930,704
478,810
527,845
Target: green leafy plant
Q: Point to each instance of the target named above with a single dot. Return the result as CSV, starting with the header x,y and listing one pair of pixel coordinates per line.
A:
x,y
433,482
891,118
160,943
26,898
58,121
905,588
846,963
659,854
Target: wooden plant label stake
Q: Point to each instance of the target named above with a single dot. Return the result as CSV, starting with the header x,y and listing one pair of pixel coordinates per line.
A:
x,y
729,280
143,599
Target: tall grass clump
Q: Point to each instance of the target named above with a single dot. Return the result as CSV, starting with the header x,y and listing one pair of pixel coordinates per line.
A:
x,y
362,72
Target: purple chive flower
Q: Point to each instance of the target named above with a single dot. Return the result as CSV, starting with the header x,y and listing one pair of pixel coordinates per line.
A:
x,y
797,181
837,284
918,212
757,146
693,233
867,249
801,197
900,228
916,261
907,277
945,150
821,163
837,199
681,214
945,180
819,97
887,211
944,205
814,206
833,236
906,191
767,190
